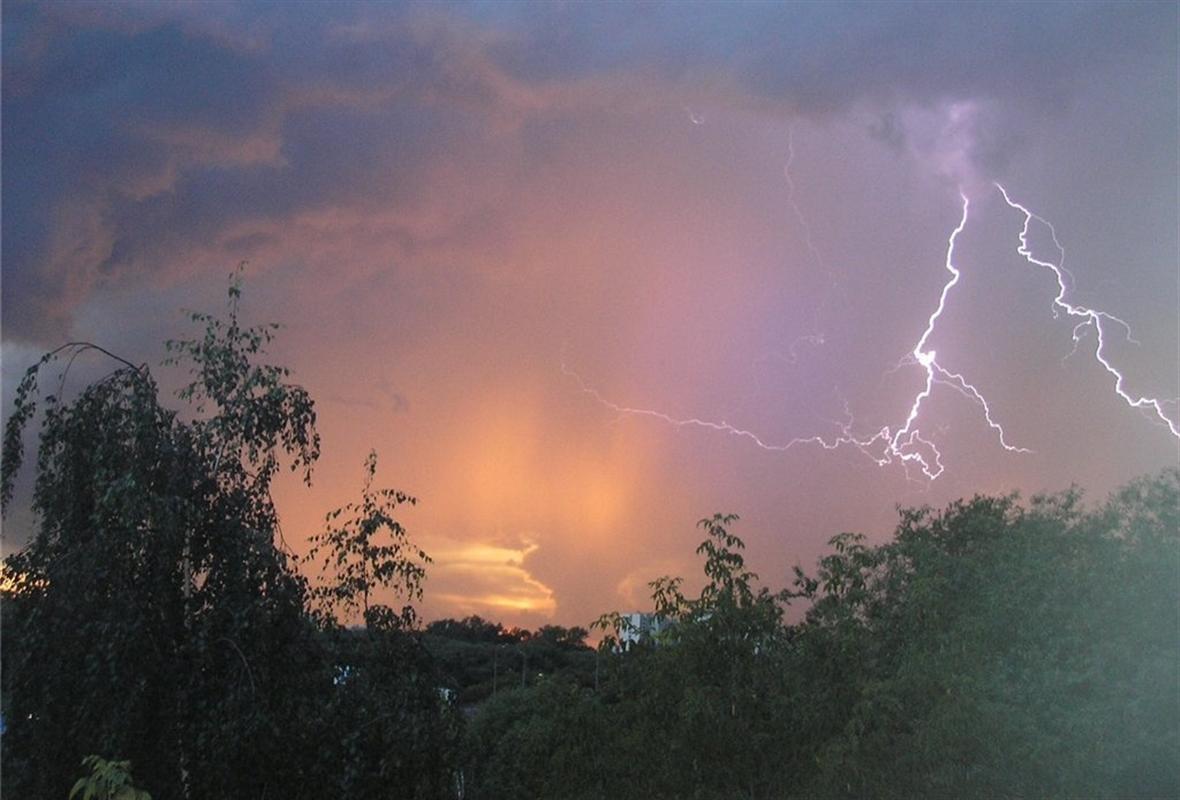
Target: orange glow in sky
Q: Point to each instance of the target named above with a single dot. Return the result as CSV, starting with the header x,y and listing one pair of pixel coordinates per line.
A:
x,y
444,205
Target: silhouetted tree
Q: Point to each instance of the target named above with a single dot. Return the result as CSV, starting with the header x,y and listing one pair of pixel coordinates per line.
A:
x,y
152,614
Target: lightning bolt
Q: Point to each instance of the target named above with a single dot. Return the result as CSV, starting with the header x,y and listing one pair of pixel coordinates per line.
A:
x,y
907,435
808,240
886,446
1090,319
692,422
815,339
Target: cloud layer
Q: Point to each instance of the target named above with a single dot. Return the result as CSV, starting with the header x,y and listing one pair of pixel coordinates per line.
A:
x,y
141,138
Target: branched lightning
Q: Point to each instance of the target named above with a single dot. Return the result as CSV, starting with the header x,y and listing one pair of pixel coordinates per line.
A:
x,y
907,435
905,444
1089,318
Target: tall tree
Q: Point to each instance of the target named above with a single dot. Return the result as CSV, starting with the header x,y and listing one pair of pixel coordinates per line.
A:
x,y
152,614
386,724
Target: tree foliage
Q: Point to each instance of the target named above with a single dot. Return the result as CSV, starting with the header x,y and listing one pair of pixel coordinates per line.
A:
x,y
361,562
991,649
108,780
477,659
386,724
153,612
994,648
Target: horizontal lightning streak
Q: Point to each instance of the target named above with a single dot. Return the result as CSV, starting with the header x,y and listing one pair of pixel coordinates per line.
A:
x,y
1090,318
721,427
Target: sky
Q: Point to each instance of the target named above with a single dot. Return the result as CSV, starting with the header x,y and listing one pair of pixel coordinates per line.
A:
x,y
581,272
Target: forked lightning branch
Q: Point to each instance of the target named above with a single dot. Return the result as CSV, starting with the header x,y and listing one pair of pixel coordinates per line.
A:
x,y
904,443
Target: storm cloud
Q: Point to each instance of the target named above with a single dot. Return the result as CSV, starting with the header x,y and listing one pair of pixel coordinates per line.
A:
x,y
149,138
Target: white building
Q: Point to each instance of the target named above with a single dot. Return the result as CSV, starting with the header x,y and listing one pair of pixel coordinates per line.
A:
x,y
638,626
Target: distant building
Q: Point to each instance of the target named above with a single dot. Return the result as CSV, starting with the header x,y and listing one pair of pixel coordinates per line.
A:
x,y
638,626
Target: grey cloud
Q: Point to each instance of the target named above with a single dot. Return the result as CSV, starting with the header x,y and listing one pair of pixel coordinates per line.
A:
x,y
822,56
142,139
135,130
887,128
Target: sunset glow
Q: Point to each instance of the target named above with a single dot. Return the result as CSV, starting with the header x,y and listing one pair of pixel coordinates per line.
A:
x,y
583,274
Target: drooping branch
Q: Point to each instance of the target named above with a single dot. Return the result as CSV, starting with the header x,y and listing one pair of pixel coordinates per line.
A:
x,y
25,407
84,346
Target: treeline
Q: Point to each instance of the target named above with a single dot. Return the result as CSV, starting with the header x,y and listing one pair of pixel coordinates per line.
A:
x,y
476,658
156,620
992,649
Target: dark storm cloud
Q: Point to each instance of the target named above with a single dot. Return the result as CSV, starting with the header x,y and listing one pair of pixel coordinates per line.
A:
x,y
124,143
131,132
822,56
74,100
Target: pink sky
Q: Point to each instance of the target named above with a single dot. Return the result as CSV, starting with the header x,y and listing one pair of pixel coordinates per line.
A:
x,y
451,208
